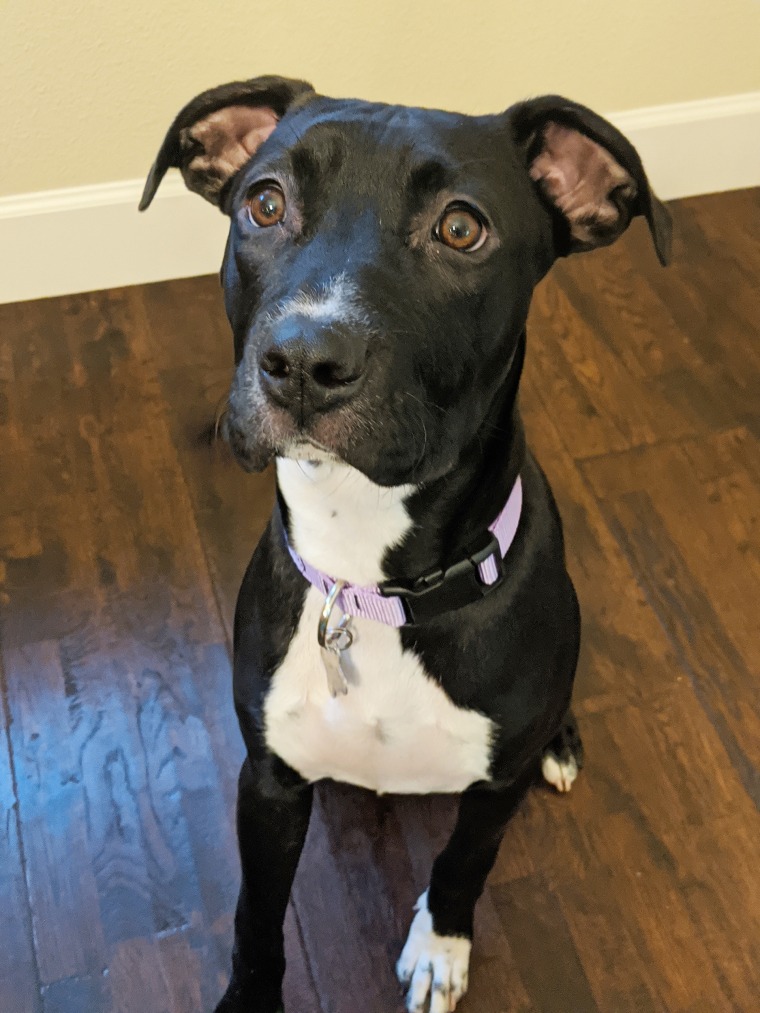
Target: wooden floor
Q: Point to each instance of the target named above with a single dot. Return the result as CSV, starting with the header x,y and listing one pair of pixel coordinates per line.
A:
x,y
123,536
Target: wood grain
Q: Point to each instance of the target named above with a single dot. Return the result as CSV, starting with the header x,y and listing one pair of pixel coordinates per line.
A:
x,y
19,973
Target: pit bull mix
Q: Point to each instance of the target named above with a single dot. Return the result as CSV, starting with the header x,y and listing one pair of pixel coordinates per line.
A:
x,y
407,622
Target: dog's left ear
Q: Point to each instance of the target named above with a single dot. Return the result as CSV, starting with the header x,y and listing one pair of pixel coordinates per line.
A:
x,y
219,131
588,172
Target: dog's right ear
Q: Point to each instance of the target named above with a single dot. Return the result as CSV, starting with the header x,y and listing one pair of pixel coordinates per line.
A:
x,y
219,131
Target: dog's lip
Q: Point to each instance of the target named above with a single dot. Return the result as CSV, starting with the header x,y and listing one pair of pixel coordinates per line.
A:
x,y
306,448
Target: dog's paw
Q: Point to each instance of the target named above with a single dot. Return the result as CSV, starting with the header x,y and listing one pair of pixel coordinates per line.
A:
x,y
563,757
559,771
432,966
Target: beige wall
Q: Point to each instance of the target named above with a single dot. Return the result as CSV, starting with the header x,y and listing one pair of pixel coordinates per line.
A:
x,y
89,87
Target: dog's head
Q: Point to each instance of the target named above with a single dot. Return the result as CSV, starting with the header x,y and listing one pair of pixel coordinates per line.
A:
x,y
381,259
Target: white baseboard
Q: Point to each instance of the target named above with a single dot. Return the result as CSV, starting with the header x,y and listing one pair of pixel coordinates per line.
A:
x,y
92,237
691,148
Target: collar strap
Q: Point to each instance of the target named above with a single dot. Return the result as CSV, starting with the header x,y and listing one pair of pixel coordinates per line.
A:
x,y
407,603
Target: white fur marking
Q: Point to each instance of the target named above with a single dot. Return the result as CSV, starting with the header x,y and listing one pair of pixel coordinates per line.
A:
x,y
395,730
433,965
560,773
370,518
337,301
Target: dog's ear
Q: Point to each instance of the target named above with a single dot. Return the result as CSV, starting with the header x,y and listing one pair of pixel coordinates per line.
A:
x,y
589,173
219,131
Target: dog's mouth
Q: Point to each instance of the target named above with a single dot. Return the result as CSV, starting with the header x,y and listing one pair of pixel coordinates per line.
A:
x,y
308,449
382,437
274,433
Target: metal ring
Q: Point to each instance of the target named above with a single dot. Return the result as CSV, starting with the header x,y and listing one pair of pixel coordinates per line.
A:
x,y
339,637
327,609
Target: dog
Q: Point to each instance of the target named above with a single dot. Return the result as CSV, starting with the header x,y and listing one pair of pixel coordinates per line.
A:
x,y
407,623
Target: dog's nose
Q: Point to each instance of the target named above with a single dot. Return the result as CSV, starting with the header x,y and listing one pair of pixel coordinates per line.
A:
x,y
312,364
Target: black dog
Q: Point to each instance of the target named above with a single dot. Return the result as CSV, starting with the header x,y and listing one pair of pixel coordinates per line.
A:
x,y
377,277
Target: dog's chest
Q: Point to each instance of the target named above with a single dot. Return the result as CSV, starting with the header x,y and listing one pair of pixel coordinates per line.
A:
x,y
396,730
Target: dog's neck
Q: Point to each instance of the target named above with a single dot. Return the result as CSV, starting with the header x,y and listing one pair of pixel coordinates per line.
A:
x,y
350,528
340,521
451,513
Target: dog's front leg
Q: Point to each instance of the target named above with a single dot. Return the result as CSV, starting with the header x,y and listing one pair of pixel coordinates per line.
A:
x,y
436,957
274,806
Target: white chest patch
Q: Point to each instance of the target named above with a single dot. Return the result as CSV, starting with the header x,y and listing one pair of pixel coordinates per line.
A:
x,y
341,522
395,730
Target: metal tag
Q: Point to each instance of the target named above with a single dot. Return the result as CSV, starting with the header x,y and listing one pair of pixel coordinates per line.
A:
x,y
336,679
332,641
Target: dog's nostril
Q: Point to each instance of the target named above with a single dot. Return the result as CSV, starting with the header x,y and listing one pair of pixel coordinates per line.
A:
x,y
275,365
333,374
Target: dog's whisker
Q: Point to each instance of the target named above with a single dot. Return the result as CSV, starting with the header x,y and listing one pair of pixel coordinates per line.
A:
x,y
222,411
304,472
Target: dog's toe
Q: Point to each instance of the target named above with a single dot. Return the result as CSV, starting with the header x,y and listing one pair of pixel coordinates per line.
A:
x,y
433,966
563,757
559,771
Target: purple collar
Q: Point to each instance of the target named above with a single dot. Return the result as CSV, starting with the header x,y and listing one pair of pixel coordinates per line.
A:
x,y
408,603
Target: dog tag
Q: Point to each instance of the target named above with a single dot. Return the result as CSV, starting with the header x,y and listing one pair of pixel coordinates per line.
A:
x,y
333,640
336,679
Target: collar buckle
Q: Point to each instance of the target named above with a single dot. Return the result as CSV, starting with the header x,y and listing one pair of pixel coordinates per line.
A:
x,y
445,590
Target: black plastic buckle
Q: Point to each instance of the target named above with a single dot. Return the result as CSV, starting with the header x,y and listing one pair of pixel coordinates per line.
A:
x,y
445,590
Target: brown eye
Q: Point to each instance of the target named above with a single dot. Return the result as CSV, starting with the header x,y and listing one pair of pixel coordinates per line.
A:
x,y
461,229
266,205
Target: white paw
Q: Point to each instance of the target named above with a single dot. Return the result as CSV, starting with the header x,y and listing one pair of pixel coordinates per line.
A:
x,y
560,773
432,965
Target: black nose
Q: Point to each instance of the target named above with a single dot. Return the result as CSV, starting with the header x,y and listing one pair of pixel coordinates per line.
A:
x,y
311,365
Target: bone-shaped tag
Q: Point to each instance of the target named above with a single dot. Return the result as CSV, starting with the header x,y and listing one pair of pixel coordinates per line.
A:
x,y
336,678
332,641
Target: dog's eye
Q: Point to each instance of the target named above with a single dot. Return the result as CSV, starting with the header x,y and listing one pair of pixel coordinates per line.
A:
x,y
461,229
266,205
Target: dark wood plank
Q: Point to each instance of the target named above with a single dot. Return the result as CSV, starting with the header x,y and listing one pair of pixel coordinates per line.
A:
x,y
52,805
624,654
605,404
698,580
559,982
19,975
90,993
716,874
164,978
